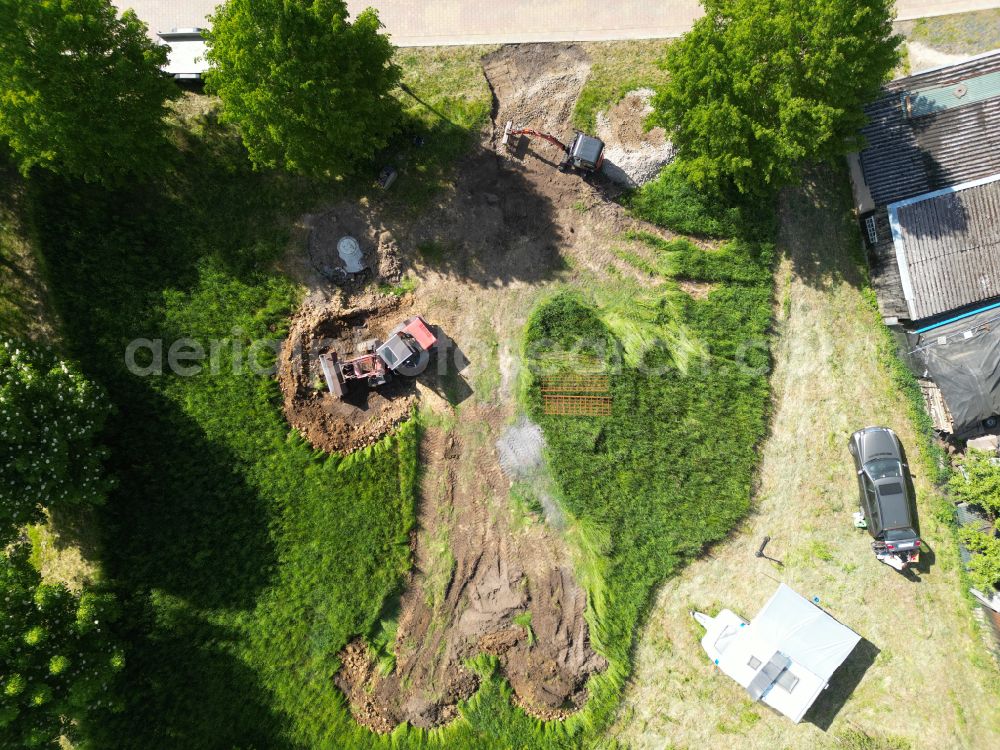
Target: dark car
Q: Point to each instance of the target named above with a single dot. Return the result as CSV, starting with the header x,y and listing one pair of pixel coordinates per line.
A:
x,y
887,503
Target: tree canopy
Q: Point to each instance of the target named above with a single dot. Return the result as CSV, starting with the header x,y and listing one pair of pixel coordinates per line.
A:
x,y
50,415
58,659
81,91
308,90
759,86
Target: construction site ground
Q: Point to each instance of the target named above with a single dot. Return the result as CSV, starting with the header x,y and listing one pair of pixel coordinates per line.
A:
x,y
487,578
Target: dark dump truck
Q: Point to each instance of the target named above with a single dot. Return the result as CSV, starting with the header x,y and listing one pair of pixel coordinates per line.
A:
x,y
888,507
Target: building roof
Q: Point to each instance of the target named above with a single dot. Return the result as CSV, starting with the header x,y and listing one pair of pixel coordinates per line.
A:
x,y
934,129
947,246
785,656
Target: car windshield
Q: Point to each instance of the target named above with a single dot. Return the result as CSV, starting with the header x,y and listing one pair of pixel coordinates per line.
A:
x,y
881,468
898,535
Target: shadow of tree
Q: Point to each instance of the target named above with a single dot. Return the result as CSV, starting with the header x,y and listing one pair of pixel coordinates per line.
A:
x,y
813,236
184,538
187,687
492,228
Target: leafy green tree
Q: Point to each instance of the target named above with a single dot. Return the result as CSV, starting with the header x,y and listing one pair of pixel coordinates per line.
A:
x,y
308,90
81,92
50,415
759,86
58,659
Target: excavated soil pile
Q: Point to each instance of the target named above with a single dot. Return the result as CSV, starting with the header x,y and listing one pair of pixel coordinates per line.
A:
x,y
536,86
364,415
496,576
632,154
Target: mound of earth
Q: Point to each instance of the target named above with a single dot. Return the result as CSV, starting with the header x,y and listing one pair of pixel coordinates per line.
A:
x,y
363,416
632,154
536,85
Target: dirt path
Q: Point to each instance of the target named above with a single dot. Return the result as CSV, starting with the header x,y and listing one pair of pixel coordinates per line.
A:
x,y
478,586
930,682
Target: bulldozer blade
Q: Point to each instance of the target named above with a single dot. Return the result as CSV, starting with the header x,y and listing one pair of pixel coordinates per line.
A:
x,y
506,132
331,373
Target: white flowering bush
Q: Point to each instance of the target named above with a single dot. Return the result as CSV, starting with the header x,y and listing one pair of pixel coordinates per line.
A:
x,y
50,415
58,659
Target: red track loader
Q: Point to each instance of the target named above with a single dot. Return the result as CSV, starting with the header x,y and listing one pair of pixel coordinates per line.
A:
x,y
378,360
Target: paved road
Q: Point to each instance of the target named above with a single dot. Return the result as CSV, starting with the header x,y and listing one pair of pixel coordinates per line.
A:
x,y
414,23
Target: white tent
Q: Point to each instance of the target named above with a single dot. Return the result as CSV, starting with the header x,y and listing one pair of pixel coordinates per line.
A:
x,y
785,656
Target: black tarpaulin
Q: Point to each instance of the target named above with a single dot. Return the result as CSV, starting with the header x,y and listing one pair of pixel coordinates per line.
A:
x,y
963,359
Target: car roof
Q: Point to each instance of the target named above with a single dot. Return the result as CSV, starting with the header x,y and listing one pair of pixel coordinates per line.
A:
x,y
895,508
878,442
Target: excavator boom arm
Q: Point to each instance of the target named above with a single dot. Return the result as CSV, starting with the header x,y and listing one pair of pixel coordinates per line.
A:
x,y
538,134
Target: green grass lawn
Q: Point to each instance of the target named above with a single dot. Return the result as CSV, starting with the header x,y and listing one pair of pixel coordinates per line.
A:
x,y
617,68
446,102
961,33
670,470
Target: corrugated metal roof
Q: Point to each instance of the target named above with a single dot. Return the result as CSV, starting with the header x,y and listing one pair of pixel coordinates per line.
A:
x,y
908,156
948,247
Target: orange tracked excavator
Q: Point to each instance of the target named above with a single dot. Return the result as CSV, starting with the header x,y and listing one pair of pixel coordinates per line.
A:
x,y
584,154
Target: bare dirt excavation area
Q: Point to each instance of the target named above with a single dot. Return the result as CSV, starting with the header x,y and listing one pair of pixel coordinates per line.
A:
x,y
472,264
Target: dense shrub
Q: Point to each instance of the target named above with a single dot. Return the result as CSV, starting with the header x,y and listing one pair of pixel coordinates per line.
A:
x,y
671,201
58,659
980,485
50,418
